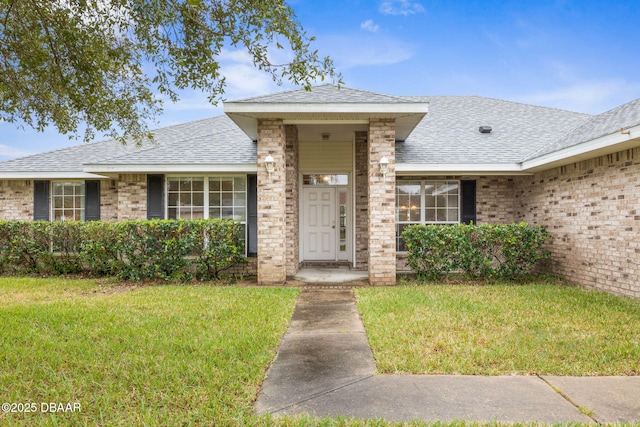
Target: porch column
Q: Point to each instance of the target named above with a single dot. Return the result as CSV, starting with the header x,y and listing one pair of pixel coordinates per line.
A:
x,y
382,203
293,196
271,204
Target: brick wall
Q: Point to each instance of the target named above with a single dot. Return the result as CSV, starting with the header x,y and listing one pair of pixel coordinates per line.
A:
x,y
109,200
362,200
292,203
382,204
132,196
16,199
272,256
592,209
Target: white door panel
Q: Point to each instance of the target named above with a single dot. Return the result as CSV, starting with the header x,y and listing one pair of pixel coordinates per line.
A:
x,y
319,234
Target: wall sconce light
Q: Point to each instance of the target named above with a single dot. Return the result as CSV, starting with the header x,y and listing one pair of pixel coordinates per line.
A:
x,y
384,166
269,164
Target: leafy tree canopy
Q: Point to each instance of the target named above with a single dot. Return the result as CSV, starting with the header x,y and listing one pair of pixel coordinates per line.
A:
x,y
83,64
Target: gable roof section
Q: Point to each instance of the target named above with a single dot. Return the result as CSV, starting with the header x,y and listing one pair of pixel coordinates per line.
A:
x,y
329,104
614,130
213,144
448,140
210,145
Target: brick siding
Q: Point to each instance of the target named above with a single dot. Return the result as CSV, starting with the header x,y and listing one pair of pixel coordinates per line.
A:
x,y
592,209
16,199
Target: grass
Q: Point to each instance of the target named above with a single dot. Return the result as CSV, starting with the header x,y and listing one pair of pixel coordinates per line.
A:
x,y
196,355
542,329
158,355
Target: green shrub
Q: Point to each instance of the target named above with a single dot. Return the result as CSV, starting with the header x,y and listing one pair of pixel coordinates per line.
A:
x,y
220,246
485,251
132,250
99,248
154,249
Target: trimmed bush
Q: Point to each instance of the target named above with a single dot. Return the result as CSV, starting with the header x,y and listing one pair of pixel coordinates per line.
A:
x,y
486,251
132,250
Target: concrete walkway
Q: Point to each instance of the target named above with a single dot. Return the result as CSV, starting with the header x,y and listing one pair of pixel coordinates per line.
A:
x,y
324,366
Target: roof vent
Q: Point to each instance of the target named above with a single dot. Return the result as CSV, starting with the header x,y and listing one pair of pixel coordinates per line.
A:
x,y
485,129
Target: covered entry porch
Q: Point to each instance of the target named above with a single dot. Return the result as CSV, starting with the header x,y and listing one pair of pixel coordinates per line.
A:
x,y
325,180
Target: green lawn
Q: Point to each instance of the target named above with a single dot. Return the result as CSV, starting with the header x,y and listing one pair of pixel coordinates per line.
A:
x,y
501,329
157,355
196,355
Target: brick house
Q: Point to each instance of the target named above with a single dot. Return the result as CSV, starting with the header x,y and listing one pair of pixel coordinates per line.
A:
x,y
336,174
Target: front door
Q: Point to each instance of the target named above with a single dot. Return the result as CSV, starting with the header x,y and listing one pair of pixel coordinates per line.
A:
x,y
319,228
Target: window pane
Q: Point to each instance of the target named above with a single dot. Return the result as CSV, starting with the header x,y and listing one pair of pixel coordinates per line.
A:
x,y
239,214
452,215
227,184
227,199
198,199
453,201
173,184
240,184
197,213
430,215
197,184
173,199
239,199
184,213
173,212
214,199
185,199
441,215
214,184
227,213
185,184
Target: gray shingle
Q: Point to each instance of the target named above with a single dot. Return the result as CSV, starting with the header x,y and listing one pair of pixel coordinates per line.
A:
x,y
449,133
612,121
327,94
215,140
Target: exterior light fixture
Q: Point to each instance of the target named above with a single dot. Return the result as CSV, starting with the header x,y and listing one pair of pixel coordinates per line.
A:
x,y
269,164
384,166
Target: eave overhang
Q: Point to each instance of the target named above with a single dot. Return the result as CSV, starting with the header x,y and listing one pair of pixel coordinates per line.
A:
x,y
618,141
49,175
450,169
406,115
170,168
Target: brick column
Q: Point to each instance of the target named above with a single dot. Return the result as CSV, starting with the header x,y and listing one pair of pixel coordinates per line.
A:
x,y
362,200
382,203
132,197
272,202
292,194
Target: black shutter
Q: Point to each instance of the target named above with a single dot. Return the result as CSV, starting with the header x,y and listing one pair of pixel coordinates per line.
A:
x,y
468,214
155,196
92,200
252,215
41,200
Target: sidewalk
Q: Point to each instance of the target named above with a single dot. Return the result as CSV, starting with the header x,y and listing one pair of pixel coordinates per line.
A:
x,y
324,366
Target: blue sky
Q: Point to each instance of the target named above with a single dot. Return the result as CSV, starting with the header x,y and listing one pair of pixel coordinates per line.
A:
x,y
575,55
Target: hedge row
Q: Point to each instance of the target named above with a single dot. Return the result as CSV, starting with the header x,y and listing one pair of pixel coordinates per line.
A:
x,y
131,250
479,251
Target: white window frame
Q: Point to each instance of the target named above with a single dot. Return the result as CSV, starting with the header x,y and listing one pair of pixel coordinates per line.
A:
x,y
206,178
53,196
423,207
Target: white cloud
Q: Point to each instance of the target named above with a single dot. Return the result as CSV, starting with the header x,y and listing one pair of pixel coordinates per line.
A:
x,y
400,7
369,25
588,96
7,152
350,50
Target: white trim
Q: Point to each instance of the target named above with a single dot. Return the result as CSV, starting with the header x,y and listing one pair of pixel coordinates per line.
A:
x,y
50,175
460,169
259,108
192,168
600,146
325,122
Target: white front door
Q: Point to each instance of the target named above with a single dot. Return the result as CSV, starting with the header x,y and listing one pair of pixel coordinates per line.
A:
x,y
319,228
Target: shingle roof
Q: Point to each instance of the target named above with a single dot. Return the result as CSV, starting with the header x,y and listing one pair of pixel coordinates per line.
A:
x,y
450,132
622,117
327,94
210,141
